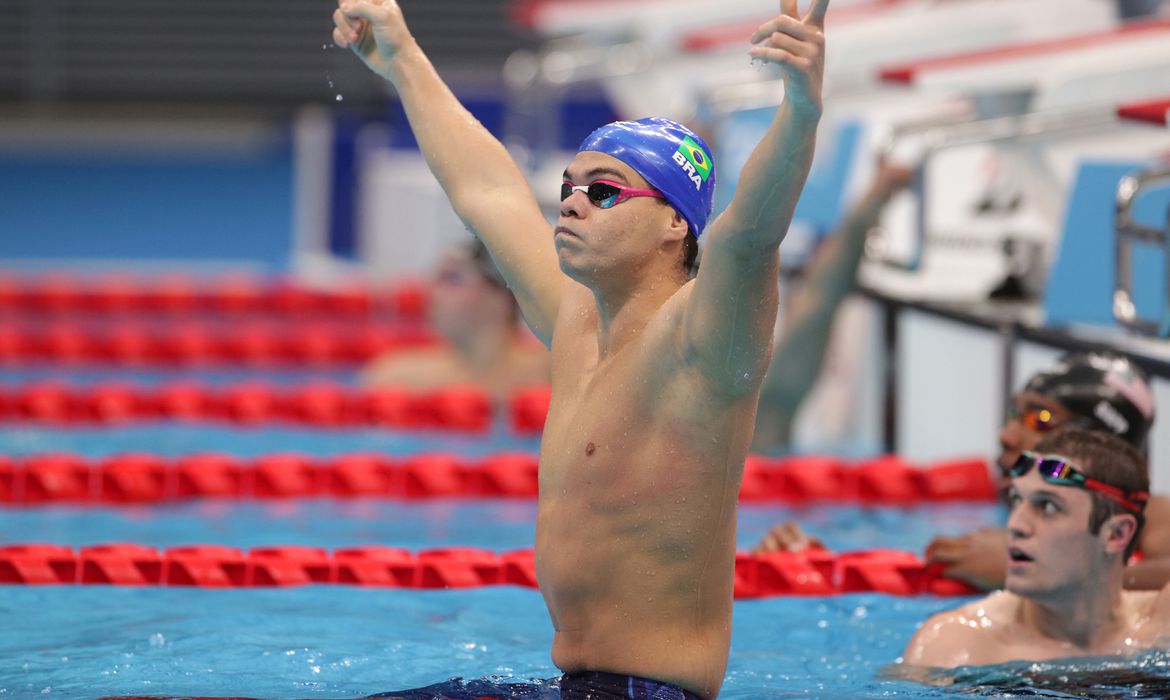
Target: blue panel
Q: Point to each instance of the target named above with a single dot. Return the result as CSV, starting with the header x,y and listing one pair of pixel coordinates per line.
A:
x,y
579,115
156,206
1080,286
344,187
821,201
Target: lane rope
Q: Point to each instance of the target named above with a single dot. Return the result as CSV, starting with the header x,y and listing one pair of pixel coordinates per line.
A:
x,y
199,344
811,573
65,293
145,478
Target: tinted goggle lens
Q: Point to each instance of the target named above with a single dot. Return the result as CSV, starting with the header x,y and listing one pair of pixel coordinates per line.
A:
x,y
600,193
1058,471
1052,470
1039,420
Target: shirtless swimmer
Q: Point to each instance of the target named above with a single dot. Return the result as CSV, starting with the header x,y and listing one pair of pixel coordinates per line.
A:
x,y
655,376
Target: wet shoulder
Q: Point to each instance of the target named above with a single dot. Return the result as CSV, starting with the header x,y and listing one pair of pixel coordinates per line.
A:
x,y
965,635
1154,604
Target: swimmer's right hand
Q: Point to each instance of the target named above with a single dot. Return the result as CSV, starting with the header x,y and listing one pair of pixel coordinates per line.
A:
x,y
788,537
374,29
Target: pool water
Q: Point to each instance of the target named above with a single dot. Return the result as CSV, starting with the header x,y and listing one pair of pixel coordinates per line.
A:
x,y
348,642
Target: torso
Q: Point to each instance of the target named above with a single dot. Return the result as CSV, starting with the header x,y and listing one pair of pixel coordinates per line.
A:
x,y
989,631
640,469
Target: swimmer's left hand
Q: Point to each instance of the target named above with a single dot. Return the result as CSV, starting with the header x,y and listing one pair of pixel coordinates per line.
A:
x,y
797,44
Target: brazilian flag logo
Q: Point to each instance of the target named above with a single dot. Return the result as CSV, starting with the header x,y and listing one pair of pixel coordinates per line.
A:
x,y
696,156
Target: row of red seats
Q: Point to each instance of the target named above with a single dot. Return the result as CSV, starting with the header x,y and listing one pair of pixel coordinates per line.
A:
x,y
461,408
193,344
144,478
817,572
61,293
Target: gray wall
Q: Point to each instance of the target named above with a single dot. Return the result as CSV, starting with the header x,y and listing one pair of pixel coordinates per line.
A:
x,y
264,53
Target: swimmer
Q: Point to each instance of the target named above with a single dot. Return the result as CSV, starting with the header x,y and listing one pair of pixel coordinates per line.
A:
x,y
655,376
1077,391
1076,510
477,317
808,318
1096,391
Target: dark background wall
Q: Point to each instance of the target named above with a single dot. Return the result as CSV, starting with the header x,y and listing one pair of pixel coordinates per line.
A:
x,y
243,53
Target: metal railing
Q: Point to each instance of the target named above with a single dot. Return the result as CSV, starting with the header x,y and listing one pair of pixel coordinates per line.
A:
x,y
1128,232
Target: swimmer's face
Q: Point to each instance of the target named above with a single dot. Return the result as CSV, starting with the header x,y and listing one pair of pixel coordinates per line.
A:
x,y
461,298
1032,416
590,240
1050,549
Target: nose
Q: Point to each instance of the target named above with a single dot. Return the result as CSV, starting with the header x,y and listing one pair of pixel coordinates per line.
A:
x,y
1010,442
1018,524
573,205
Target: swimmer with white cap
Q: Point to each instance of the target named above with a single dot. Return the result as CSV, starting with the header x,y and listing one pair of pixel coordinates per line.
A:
x,y
655,375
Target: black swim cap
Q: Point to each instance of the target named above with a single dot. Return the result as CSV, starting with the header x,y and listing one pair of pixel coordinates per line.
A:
x,y
1104,390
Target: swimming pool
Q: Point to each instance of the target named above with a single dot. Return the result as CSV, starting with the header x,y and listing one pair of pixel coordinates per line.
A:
x,y
330,641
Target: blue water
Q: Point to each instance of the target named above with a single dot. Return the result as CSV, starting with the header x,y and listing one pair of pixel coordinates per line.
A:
x,y
341,642
499,525
346,642
174,440
85,375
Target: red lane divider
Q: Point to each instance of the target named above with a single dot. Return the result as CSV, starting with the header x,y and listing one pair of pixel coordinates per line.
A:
x,y
815,572
193,344
65,293
461,408
144,478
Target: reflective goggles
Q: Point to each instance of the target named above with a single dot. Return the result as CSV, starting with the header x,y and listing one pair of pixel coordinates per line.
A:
x,y
606,193
1040,420
1057,470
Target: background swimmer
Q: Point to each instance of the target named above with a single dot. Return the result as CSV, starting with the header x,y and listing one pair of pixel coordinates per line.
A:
x,y
808,317
1076,510
471,308
1077,391
1069,394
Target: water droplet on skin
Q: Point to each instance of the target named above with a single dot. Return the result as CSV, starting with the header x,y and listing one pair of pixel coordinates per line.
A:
x,y
340,98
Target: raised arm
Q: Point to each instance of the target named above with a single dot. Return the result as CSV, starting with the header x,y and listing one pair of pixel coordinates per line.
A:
x,y
800,351
732,309
484,184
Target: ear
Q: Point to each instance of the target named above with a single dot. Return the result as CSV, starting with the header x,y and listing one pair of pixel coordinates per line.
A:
x,y
1117,531
678,227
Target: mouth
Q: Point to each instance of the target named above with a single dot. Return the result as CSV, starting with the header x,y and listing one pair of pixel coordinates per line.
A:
x,y
1018,557
562,231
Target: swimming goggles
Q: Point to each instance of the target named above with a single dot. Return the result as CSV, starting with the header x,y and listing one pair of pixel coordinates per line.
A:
x,y
606,193
1057,470
1040,420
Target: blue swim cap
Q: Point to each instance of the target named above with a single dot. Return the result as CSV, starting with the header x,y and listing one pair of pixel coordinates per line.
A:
x,y
672,158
